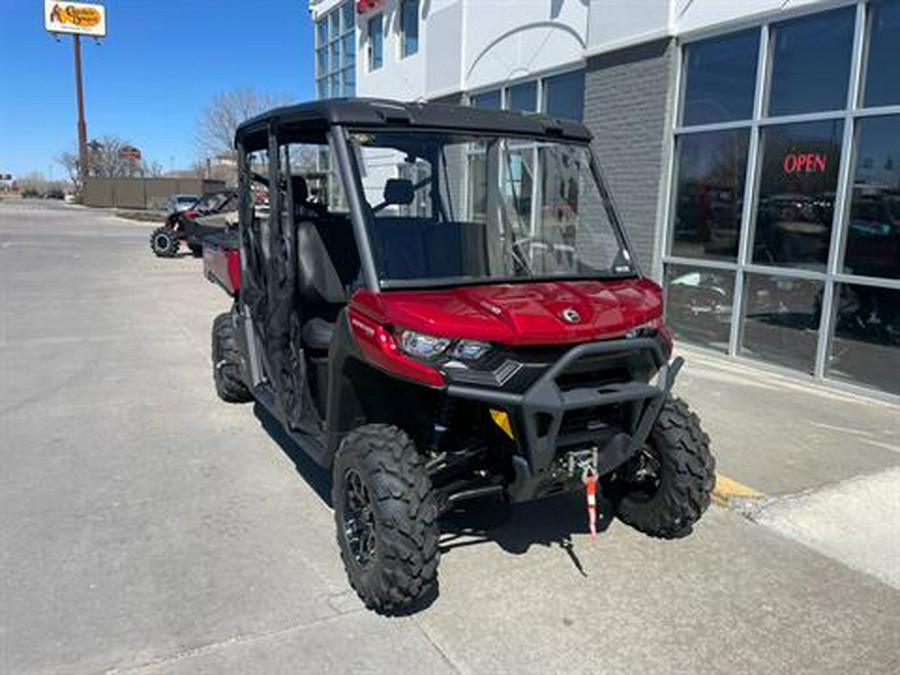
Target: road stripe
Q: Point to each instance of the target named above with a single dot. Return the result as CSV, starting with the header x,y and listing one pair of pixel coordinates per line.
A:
x,y
728,489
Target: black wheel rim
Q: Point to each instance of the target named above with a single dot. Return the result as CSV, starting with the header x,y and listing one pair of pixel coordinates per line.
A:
x,y
162,242
640,477
359,520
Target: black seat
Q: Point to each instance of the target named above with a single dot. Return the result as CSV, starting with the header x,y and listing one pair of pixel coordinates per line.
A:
x,y
317,333
327,266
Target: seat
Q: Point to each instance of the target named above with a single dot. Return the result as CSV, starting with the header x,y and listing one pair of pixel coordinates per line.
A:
x,y
317,333
327,266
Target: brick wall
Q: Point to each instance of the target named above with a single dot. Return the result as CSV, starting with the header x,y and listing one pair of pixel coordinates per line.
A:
x,y
628,99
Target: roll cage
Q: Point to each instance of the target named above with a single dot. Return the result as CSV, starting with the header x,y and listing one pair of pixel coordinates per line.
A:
x,y
328,123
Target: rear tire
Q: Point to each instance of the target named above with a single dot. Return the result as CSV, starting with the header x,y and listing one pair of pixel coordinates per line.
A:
x,y
196,250
684,480
164,242
227,370
386,517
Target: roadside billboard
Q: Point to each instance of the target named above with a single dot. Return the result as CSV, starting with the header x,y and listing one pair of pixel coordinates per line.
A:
x,y
75,17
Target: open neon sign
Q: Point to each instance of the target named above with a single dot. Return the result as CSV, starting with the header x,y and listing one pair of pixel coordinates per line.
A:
x,y
805,162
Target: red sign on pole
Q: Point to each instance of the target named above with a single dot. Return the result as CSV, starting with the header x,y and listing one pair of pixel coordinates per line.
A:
x,y
130,152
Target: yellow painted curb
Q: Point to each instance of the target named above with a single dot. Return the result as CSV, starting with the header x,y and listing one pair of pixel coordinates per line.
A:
x,y
728,489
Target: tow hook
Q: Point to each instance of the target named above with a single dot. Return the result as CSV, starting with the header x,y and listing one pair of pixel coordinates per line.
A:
x,y
583,464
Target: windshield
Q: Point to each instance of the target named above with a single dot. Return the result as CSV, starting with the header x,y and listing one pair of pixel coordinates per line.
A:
x,y
450,208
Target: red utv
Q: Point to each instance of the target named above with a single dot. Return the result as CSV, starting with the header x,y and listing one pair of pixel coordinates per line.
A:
x,y
435,333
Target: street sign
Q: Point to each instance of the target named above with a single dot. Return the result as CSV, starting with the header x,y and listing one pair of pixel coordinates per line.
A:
x,y
80,18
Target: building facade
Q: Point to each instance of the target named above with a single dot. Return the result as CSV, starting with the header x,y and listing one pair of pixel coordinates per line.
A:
x,y
753,148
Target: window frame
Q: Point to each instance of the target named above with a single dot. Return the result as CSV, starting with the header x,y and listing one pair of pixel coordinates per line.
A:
x,y
852,111
333,45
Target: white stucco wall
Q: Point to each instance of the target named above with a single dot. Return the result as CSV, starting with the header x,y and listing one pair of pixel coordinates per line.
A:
x,y
470,45
473,44
614,24
513,40
401,79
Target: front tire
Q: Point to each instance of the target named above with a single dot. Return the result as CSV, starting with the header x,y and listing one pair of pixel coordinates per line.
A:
x,y
664,490
226,360
386,517
164,242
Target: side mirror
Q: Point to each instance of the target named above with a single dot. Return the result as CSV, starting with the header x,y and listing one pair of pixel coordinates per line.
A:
x,y
398,191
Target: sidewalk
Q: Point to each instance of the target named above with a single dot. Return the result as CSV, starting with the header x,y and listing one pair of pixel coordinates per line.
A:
x,y
782,436
817,466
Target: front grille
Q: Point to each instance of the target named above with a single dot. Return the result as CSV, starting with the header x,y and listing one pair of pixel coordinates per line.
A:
x,y
581,425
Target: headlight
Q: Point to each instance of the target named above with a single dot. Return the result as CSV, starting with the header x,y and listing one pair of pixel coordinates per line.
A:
x,y
646,329
469,350
429,347
423,346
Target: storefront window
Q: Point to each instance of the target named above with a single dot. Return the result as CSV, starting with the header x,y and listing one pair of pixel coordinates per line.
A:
x,y
882,84
873,230
804,316
522,97
710,194
720,79
376,42
336,52
409,27
811,66
347,16
866,344
321,62
564,95
781,320
488,99
349,48
348,78
798,182
699,304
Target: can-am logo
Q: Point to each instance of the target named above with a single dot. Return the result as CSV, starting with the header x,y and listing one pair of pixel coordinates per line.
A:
x,y
570,315
805,162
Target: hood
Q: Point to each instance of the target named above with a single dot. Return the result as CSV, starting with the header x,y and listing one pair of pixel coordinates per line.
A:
x,y
550,312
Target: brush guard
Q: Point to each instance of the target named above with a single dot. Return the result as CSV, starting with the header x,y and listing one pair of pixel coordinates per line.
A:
x,y
539,413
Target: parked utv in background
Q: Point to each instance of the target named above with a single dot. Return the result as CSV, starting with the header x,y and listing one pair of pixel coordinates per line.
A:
x,y
208,215
463,319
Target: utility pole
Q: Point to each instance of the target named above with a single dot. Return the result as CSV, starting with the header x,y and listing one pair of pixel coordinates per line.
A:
x,y
77,19
82,127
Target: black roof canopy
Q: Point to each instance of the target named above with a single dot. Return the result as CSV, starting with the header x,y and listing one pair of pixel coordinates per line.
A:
x,y
309,122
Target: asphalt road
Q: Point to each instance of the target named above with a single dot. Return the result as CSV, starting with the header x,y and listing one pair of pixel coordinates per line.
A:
x,y
145,526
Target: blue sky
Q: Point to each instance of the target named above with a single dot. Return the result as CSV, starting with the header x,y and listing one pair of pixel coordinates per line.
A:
x,y
161,62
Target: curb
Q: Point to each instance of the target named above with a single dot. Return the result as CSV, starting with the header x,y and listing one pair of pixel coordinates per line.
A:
x,y
728,490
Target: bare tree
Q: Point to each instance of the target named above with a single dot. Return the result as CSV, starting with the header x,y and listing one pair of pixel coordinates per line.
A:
x,y
106,159
69,162
225,111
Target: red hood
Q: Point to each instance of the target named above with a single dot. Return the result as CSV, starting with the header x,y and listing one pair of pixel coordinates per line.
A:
x,y
526,313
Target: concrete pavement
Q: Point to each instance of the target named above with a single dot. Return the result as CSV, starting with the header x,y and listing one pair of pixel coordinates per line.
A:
x,y
147,527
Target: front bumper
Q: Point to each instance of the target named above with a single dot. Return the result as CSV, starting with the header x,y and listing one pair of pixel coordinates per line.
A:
x,y
539,412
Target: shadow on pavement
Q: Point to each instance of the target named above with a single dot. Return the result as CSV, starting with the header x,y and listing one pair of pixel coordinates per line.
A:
x,y
316,477
515,528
